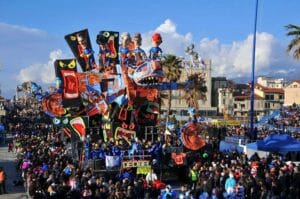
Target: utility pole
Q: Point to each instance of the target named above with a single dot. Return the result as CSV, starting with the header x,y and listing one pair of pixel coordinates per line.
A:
x,y
253,72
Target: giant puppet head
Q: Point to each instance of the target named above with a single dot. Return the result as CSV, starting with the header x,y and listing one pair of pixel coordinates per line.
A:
x,y
149,73
191,135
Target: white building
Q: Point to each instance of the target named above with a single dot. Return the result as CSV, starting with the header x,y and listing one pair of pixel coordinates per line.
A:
x,y
178,104
225,101
271,82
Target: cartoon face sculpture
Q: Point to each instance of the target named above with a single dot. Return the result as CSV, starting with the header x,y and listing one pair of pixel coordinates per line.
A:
x,y
148,73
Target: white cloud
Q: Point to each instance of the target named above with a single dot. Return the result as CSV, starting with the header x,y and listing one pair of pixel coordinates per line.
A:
x,y
40,73
230,60
173,42
24,46
236,59
23,29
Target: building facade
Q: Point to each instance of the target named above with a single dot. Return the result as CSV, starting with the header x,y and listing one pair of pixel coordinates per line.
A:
x,y
292,93
274,97
217,83
242,106
235,101
225,101
269,82
178,104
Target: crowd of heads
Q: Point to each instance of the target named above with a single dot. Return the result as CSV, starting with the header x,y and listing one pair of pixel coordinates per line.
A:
x,y
49,169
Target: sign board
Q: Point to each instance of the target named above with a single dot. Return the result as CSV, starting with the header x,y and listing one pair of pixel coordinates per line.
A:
x,y
226,122
135,163
143,170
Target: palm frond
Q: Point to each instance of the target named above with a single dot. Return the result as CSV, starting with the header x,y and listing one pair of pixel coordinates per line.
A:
x,y
292,33
297,53
294,43
291,26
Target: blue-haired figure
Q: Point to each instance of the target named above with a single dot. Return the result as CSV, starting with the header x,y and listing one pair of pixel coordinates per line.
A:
x,y
155,53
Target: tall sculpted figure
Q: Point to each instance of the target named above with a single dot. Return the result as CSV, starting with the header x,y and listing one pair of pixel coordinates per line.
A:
x,y
85,52
139,54
108,42
125,49
155,52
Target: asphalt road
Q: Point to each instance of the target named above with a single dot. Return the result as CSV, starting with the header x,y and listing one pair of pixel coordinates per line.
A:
x,y
8,162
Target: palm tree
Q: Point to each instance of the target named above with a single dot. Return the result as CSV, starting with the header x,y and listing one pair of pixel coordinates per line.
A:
x,y
195,90
172,66
295,43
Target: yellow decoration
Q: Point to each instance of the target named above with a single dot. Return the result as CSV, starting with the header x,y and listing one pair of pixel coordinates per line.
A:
x,y
143,170
73,38
72,64
61,64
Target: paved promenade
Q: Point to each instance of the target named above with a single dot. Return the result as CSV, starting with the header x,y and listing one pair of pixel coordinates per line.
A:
x,y
8,162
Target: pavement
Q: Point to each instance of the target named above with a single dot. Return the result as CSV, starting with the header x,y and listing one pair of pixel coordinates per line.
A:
x,y
8,162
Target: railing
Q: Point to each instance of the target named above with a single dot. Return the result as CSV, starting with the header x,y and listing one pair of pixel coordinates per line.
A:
x,y
125,161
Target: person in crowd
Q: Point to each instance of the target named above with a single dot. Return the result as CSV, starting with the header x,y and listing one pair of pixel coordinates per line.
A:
x,y
230,184
151,177
193,176
2,181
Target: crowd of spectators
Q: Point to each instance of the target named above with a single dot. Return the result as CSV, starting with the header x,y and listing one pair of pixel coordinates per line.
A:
x,y
49,169
289,119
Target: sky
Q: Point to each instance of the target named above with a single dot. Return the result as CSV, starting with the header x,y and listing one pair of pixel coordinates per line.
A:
x,y
32,34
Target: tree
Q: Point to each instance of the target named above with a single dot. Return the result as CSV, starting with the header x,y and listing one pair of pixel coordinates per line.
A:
x,y
294,45
172,66
195,90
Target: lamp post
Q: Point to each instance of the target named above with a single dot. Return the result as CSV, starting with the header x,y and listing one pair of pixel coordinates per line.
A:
x,y
253,72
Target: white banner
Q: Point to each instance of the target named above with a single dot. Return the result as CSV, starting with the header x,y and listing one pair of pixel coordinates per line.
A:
x,y
112,161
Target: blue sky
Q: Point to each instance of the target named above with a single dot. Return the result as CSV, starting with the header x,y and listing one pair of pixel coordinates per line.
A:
x,y
32,33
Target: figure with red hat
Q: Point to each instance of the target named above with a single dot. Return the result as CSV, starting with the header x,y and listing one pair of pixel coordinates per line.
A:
x,y
155,52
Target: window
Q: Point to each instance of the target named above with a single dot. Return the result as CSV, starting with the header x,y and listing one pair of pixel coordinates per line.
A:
x,y
280,97
267,105
269,97
235,105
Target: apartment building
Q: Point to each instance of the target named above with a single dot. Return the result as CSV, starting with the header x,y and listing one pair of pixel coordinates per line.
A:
x,y
269,82
242,106
274,97
217,83
292,93
236,102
